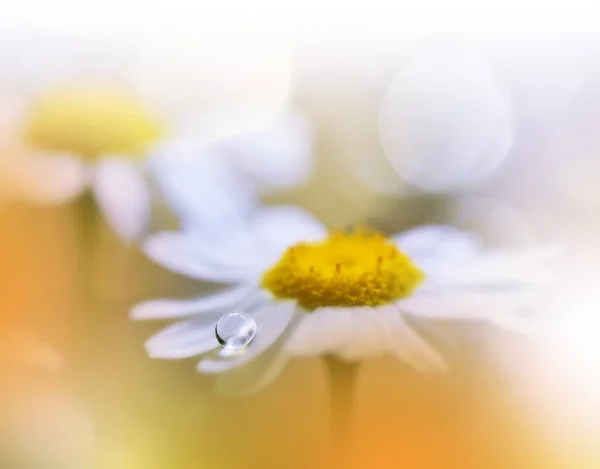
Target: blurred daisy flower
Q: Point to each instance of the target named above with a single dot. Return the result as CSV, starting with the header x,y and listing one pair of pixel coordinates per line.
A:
x,y
348,294
79,128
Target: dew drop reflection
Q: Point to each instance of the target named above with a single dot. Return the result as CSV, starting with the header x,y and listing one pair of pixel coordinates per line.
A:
x,y
234,331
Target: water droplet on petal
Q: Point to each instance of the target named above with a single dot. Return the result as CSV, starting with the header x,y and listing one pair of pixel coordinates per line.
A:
x,y
235,330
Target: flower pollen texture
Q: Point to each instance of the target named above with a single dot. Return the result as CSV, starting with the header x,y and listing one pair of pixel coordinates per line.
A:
x,y
361,268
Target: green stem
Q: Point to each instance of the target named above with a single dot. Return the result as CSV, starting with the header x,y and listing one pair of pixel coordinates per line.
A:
x,y
342,382
83,314
86,325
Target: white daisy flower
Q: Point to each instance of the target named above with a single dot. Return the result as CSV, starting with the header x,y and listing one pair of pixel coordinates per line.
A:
x,y
80,128
312,292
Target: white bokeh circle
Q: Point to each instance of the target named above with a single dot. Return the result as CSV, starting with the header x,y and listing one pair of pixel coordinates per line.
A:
x,y
446,121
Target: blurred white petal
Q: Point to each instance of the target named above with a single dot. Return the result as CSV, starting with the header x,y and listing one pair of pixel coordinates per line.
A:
x,y
322,331
524,322
123,196
352,333
186,254
169,309
437,243
368,336
465,304
446,121
185,339
502,268
497,222
47,179
281,226
406,345
203,191
360,333
279,157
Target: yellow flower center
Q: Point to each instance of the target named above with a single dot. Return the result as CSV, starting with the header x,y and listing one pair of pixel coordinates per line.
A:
x,y
362,268
91,122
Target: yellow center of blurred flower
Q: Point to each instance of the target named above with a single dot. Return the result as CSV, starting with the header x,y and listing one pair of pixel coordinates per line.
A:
x,y
362,268
91,122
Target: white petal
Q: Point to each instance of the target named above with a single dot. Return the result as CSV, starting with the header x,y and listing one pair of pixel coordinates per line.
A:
x,y
168,309
123,196
253,376
528,325
351,333
48,179
187,254
184,339
368,337
437,243
465,304
282,226
499,268
406,345
272,323
322,331
515,260
230,251
203,191
279,157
